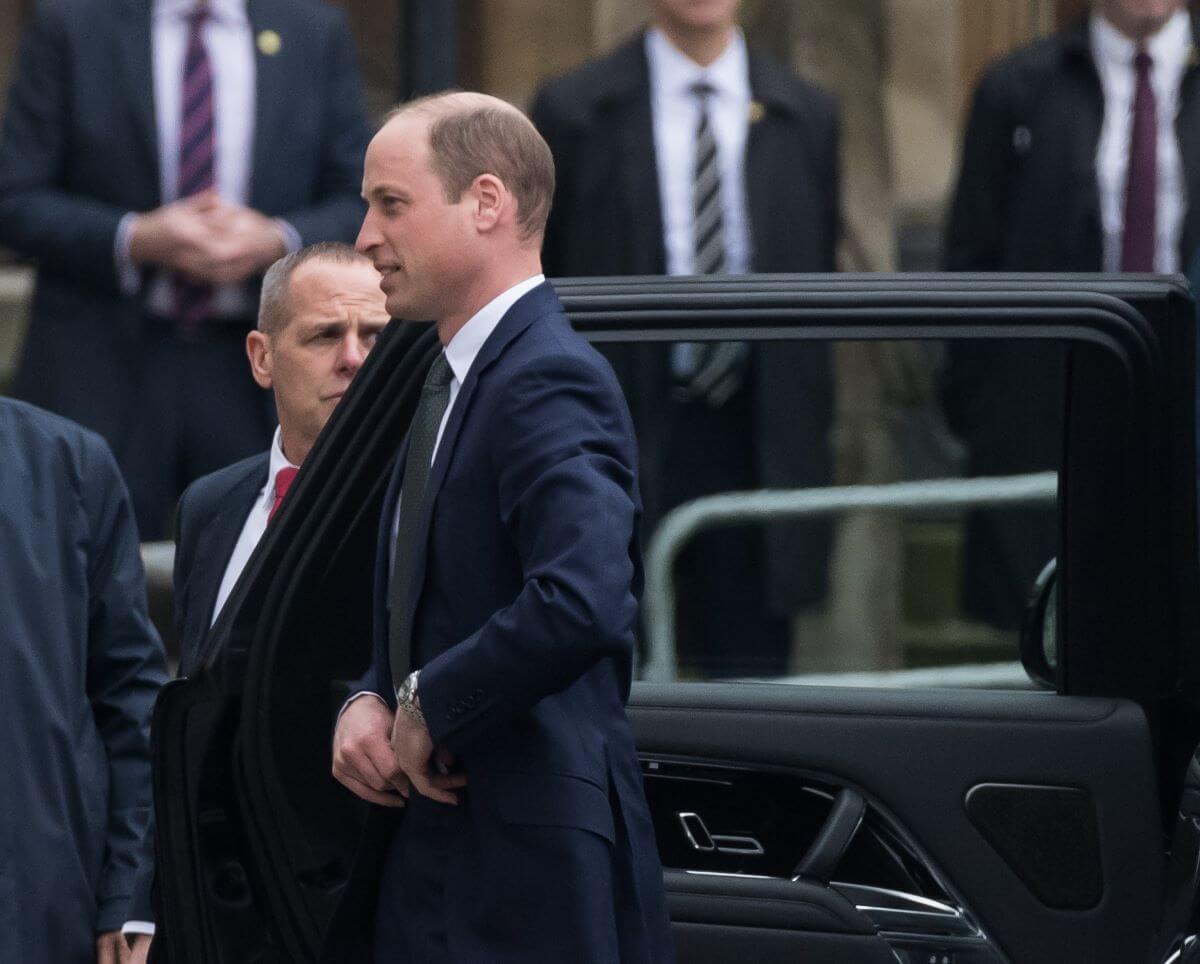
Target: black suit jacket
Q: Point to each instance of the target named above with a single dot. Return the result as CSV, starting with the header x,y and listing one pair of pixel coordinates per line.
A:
x,y
79,150
212,512
607,220
1027,199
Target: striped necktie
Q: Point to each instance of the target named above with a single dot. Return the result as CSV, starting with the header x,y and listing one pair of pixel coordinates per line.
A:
x,y
1138,238
197,149
712,371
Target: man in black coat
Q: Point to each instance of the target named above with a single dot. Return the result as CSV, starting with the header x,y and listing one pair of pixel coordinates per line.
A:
x,y
322,310
82,665
624,133
1046,185
157,156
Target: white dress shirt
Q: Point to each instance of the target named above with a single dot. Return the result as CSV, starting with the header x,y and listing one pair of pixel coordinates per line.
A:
x,y
676,114
255,525
229,40
1114,54
252,531
461,353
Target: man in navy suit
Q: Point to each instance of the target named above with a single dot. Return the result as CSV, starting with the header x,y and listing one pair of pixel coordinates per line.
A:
x,y
82,666
322,310
507,575
157,156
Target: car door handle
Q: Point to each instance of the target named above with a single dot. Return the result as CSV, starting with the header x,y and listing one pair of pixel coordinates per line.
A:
x,y
701,840
833,839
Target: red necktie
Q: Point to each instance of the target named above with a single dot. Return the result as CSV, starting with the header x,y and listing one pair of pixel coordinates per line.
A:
x,y
1138,239
283,482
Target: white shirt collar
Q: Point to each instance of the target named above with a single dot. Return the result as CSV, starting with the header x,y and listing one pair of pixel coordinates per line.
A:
x,y
232,12
1169,48
469,339
674,73
277,461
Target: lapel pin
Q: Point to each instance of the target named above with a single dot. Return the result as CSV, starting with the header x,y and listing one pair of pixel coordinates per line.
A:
x,y
269,42
1022,139
757,111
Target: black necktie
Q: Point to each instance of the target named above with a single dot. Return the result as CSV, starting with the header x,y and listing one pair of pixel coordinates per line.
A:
x,y
435,395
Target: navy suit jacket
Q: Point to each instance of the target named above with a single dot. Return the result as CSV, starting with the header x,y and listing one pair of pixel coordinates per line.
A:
x,y
524,603
79,150
82,666
212,511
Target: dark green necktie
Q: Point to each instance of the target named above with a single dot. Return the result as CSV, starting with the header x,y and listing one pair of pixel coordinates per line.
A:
x,y
435,395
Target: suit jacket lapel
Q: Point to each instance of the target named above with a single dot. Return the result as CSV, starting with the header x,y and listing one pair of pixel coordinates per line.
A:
x,y
625,100
270,99
133,42
213,549
520,316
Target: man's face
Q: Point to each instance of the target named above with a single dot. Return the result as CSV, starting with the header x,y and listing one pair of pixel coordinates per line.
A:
x,y
422,245
691,15
1138,18
335,313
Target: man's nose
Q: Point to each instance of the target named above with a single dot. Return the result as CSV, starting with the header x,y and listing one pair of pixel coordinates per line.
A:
x,y
352,354
368,236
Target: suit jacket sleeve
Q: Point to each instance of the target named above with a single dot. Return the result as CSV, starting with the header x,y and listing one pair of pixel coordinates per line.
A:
x,y
337,210
564,459
143,905
39,216
975,233
126,667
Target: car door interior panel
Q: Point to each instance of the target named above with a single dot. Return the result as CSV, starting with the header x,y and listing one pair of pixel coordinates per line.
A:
x,y
794,823
967,836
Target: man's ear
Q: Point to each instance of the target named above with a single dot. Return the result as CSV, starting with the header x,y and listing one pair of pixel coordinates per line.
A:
x,y
258,350
492,201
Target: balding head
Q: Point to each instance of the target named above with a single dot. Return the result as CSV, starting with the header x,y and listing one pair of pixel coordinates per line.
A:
x,y
471,134
458,187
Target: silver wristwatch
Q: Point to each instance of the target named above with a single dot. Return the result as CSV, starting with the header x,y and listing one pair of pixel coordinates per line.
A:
x,y
406,698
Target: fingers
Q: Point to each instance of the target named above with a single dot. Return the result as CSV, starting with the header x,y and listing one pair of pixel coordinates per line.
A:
x,y
443,759
425,785
112,949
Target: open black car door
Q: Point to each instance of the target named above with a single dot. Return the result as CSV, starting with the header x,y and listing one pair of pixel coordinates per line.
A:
x,y
794,823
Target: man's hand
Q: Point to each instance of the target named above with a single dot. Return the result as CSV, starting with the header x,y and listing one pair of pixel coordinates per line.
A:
x,y
206,239
112,949
427,768
178,235
140,948
246,242
362,757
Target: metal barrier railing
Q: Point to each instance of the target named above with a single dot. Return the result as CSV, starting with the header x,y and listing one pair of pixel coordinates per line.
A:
x,y
773,505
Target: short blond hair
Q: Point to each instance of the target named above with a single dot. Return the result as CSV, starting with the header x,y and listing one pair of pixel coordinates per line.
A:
x,y
472,134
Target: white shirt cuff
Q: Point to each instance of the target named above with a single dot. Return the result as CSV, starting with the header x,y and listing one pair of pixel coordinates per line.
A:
x,y
129,279
138,927
291,240
352,699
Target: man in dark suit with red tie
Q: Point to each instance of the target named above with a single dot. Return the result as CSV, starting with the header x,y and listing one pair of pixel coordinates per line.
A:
x,y
1081,153
321,312
157,156
507,574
